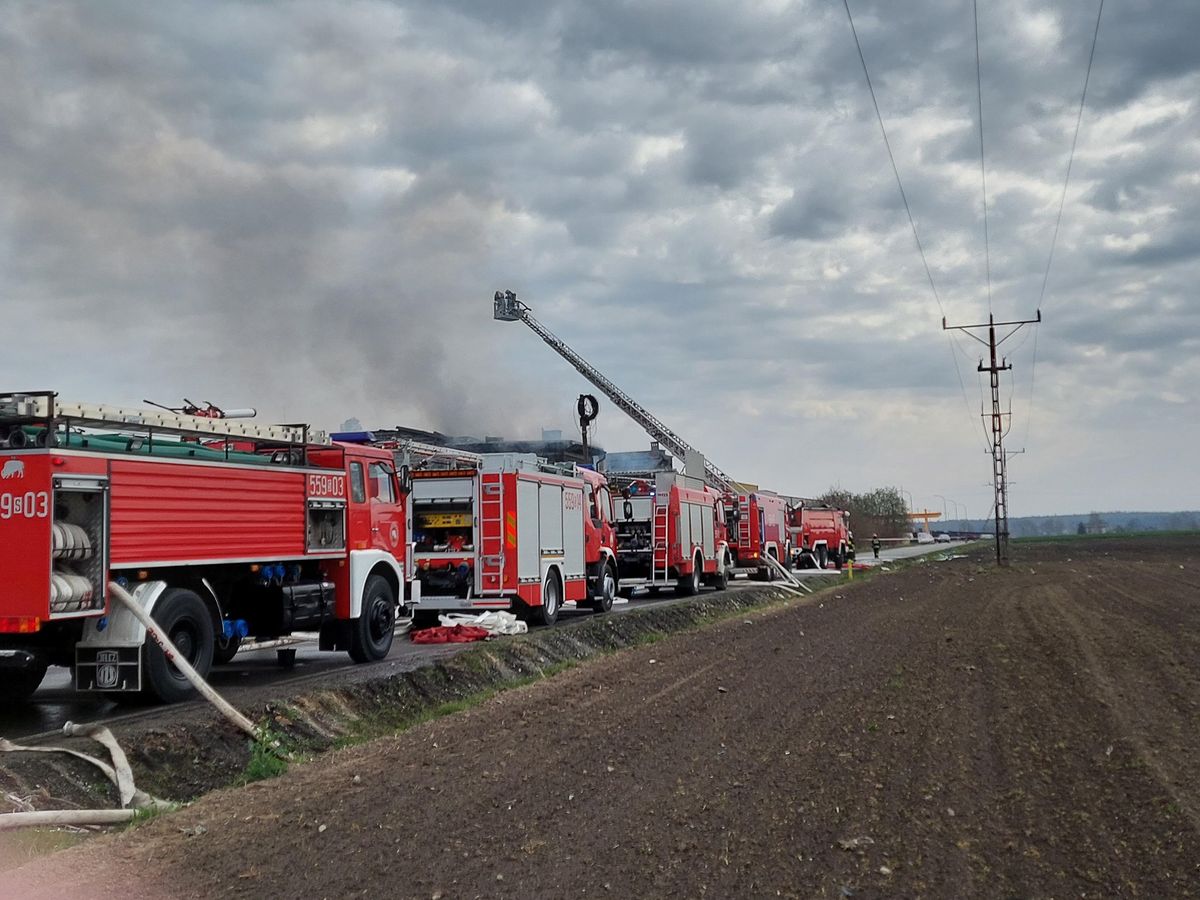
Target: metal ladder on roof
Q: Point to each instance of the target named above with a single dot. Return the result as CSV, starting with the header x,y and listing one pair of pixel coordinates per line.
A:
x,y
491,533
660,565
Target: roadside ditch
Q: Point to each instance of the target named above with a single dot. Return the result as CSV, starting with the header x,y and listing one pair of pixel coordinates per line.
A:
x,y
180,757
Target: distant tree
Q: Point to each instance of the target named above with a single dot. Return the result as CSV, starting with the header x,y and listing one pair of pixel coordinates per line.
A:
x,y
351,424
1081,529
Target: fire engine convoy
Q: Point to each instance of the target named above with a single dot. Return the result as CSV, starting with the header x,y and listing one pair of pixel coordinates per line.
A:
x,y
222,531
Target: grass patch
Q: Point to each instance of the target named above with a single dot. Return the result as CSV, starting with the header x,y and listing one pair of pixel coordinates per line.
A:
x,y
268,758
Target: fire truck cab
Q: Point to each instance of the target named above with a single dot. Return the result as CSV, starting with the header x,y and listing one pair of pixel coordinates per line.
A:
x,y
513,532
671,534
220,531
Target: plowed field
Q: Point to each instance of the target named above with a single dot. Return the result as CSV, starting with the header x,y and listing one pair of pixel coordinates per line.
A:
x,y
948,730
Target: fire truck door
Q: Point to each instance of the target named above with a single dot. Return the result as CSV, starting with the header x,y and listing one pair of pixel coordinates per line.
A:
x,y
386,510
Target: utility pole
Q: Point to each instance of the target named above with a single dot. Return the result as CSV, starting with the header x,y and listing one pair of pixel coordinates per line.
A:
x,y
998,417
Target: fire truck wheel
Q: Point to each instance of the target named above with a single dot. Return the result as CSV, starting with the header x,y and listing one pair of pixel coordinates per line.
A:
x,y
16,686
224,651
185,619
547,613
721,580
608,589
822,556
689,585
371,637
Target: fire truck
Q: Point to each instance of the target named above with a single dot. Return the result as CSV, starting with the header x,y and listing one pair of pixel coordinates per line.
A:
x,y
821,535
513,532
760,528
219,530
671,534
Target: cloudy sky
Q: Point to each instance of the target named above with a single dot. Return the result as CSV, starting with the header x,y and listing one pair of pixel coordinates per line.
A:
x,y
307,206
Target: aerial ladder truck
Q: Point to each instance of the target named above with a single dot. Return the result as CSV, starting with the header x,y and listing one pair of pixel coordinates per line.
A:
x,y
508,308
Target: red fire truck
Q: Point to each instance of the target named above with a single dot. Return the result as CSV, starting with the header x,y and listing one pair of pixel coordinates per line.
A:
x,y
513,532
671,534
220,530
761,526
821,535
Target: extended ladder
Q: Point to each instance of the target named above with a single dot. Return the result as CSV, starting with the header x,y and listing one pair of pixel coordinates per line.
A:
x,y
507,308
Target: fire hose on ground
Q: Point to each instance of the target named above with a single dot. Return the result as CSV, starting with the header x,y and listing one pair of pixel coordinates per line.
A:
x,y
119,773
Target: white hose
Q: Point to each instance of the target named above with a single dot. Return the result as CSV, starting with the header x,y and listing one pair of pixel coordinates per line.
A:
x,y
10,821
185,668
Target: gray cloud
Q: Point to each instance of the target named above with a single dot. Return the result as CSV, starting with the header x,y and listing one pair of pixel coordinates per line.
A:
x,y
306,208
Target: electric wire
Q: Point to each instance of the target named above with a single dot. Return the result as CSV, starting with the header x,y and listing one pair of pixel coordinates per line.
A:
x,y
1062,200
987,251
1071,156
903,195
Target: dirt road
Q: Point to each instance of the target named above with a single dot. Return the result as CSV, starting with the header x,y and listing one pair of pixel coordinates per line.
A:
x,y
949,730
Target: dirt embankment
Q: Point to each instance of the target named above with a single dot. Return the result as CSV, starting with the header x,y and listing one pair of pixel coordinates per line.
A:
x,y
182,753
948,730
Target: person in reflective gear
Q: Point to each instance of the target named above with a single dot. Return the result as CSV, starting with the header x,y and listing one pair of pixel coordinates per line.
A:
x,y
875,545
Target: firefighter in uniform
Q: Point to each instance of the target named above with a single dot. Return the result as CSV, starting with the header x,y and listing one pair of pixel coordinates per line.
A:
x,y
875,545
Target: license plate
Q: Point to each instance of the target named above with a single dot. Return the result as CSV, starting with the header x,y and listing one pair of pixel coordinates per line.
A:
x,y
108,668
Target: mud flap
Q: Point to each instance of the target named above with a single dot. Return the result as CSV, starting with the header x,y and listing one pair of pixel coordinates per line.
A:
x,y
112,667
336,634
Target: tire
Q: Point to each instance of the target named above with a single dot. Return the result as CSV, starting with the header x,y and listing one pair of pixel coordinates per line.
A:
x,y
822,557
372,632
224,652
20,685
185,619
689,585
608,589
721,580
547,613
769,573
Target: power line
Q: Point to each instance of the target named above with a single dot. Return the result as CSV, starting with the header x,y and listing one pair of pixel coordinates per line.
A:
x,y
987,251
891,156
1071,157
903,195
1062,200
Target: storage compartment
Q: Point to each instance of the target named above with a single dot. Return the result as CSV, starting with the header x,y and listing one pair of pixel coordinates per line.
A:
x,y
79,545
326,526
444,526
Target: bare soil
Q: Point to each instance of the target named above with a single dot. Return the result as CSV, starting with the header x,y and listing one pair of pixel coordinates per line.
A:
x,y
944,730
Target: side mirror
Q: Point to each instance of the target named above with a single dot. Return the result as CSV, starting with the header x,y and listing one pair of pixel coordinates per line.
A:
x,y
628,510
404,476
